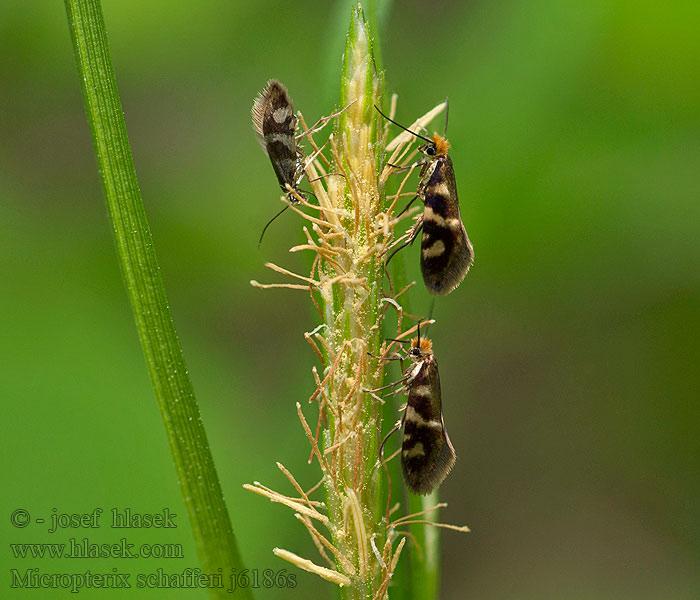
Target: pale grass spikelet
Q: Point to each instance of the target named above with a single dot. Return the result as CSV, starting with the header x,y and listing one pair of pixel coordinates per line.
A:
x,y
349,229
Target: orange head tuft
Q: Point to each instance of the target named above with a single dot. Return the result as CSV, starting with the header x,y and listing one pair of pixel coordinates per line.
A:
x,y
442,146
426,346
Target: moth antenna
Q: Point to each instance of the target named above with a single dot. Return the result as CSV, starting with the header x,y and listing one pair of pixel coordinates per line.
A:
x,y
269,223
447,112
310,159
430,315
401,168
402,127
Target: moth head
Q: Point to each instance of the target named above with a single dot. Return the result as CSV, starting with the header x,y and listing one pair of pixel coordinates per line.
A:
x,y
438,146
420,348
294,195
429,149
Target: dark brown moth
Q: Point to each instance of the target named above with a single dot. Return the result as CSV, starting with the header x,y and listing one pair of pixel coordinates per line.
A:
x,y
446,252
427,455
275,124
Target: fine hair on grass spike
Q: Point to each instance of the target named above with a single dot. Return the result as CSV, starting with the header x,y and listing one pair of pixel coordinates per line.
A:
x,y
348,225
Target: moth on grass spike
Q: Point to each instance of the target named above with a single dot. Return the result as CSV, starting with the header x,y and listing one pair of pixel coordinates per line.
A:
x,y
275,124
446,252
427,455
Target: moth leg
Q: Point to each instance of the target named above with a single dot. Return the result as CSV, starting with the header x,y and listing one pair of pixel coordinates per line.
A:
x,y
388,339
323,121
386,357
414,234
324,176
303,162
407,206
392,431
389,385
400,168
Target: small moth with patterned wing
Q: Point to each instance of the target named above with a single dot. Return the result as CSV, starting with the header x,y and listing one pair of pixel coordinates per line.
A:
x,y
275,124
427,455
446,252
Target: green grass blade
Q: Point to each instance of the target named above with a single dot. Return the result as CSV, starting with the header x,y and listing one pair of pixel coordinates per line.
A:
x,y
425,566
199,482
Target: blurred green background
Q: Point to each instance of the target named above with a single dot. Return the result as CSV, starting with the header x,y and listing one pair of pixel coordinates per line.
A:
x,y
569,356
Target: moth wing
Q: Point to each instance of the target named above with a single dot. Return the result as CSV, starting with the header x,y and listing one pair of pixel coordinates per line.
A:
x,y
257,112
427,455
446,252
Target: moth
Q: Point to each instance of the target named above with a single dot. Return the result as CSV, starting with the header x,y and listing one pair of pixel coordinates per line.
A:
x,y
275,124
427,455
446,252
